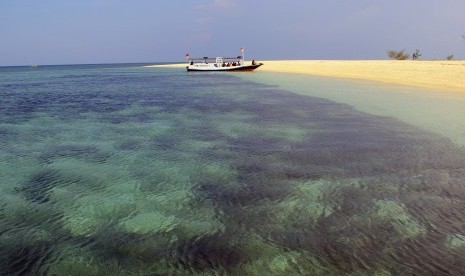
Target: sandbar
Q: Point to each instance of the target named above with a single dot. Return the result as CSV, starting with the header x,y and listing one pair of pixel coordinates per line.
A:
x,y
436,74
442,75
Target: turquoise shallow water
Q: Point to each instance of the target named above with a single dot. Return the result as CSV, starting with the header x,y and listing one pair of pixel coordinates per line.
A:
x,y
440,112
121,169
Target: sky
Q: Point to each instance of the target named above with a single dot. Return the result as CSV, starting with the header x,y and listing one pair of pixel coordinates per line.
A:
x,y
140,31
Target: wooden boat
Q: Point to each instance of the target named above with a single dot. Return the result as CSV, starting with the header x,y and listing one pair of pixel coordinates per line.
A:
x,y
226,64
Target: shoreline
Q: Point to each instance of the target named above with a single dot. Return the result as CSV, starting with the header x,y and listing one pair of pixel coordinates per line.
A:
x,y
437,74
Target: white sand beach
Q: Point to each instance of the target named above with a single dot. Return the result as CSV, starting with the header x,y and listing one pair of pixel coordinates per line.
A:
x,y
442,75
439,75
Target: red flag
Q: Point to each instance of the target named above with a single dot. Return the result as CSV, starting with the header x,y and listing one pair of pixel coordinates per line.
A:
x,y
187,56
242,49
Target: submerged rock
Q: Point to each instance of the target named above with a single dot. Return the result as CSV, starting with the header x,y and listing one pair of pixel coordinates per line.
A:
x,y
397,216
455,241
149,222
91,213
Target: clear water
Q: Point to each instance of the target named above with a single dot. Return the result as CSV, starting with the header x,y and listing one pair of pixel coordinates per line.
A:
x,y
117,170
441,112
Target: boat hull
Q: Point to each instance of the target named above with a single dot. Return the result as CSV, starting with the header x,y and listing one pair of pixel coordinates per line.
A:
x,y
193,68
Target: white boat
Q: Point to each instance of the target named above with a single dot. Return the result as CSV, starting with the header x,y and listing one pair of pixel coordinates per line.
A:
x,y
221,63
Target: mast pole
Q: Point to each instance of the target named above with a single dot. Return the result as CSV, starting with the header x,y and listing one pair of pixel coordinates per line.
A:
x,y
242,54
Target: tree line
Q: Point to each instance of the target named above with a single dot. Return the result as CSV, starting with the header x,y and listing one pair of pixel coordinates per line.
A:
x,y
402,55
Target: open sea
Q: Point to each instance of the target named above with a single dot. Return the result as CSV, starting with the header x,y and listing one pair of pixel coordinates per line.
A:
x,y
127,170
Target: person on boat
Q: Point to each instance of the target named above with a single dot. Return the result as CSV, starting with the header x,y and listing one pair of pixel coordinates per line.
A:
x,y
253,62
192,62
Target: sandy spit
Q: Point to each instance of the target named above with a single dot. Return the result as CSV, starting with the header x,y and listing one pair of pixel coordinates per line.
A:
x,y
438,74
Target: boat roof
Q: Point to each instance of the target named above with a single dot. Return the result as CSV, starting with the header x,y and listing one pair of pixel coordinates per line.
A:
x,y
213,58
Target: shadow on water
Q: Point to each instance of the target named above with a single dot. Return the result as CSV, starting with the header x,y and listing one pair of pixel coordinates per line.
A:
x,y
240,179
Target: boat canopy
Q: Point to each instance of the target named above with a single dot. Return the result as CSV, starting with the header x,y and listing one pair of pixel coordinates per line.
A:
x,y
214,58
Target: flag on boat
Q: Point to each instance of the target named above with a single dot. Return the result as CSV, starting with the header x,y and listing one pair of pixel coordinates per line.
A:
x,y
242,49
187,56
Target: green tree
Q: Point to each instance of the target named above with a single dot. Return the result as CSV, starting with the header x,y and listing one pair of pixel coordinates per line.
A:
x,y
416,55
398,55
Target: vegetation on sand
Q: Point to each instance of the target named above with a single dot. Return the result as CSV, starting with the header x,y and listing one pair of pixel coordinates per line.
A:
x,y
398,55
416,55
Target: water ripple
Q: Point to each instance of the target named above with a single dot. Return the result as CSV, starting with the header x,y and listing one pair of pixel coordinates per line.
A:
x,y
129,171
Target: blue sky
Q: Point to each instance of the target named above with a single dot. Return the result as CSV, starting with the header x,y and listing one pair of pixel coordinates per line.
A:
x,y
107,31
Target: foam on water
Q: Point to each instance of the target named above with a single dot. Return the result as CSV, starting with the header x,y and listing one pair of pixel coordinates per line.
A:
x,y
127,170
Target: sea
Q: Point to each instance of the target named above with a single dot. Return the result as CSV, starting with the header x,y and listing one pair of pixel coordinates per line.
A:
x,y
121,169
